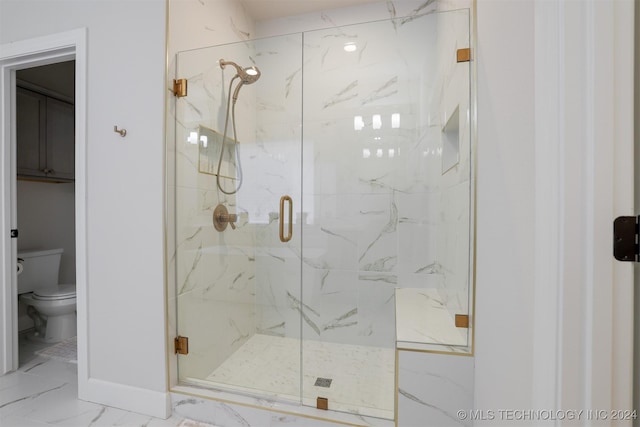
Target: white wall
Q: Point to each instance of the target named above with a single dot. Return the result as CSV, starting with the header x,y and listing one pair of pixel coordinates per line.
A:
x,y
126,87
505,202
46,219
555,121
636,337
126,337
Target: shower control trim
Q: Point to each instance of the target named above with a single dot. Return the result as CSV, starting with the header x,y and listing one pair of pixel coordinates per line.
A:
x,y
222,217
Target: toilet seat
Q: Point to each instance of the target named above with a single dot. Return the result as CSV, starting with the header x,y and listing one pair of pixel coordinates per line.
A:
x,y
55,293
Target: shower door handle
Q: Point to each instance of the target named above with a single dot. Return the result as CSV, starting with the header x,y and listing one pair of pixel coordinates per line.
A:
x,y
286,238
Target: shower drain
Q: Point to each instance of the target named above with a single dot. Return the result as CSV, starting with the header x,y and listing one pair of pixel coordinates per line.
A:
x,y
323,382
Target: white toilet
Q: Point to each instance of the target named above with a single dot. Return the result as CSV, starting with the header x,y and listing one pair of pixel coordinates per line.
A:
x,y
52,306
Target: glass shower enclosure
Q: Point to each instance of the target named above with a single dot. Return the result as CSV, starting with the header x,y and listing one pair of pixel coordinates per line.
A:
x,y
323,209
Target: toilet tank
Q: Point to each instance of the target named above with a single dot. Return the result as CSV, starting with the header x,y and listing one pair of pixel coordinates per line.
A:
x,y
40,269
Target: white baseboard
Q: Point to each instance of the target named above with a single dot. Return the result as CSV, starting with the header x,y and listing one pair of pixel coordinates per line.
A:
x,y
134,399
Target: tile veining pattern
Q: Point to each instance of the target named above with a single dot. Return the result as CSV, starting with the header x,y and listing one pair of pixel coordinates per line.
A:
x,y
374,206
43,392
419,308
450,389
381,213
231,415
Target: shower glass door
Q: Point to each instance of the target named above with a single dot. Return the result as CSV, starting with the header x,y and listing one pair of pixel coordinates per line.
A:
x,y
386,202
344,170
238,277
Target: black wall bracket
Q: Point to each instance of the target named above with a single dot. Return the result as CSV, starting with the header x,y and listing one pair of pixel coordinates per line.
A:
x,y
14,234
625,238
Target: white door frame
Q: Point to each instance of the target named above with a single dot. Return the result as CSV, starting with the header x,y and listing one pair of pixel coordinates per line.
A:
x,y
568,344
583,297
15,56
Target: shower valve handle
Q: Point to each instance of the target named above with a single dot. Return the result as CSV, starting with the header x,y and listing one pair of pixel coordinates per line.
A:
x,y
230,218
222,217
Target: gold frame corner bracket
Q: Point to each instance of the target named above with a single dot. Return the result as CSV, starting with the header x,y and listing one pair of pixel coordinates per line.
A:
x,y
462,320
463,55
322,403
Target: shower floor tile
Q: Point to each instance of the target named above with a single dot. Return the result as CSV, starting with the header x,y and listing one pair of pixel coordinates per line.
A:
x,y
362,378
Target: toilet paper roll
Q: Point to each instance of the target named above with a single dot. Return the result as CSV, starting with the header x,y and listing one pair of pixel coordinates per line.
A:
x,y
20,267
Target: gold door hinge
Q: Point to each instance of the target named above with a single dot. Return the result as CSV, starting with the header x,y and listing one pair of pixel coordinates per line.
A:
x,y
464,55
180,87
181,345
462,320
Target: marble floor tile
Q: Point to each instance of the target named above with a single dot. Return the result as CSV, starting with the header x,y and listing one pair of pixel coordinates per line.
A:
x,y
43,392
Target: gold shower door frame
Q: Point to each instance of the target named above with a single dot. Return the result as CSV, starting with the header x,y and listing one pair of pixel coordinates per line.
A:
x,y
349,218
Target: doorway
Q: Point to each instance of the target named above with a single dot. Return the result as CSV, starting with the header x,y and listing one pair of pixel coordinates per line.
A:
x,y
15,58
45,173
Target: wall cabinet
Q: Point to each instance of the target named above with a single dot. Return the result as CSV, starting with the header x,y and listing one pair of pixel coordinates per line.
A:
x,y
45,129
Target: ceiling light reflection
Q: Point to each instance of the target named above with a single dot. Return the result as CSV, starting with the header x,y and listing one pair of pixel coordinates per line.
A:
x,y
376,121
395,120
350,47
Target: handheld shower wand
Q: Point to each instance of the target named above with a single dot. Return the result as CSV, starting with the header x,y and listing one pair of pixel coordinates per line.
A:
x,y
247,76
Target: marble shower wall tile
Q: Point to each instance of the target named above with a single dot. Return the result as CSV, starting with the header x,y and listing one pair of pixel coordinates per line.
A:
x,y
278,292
418,226
454,33
433,388
373,198
271,169
209,346
376,309
412,180
454,238
378,238
377,206
348,111
426,316
279,90
195,24
249,415
330,302
215,271
348,15
331,241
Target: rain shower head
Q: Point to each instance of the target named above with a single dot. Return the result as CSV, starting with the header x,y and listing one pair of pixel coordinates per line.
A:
x,y
247,75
